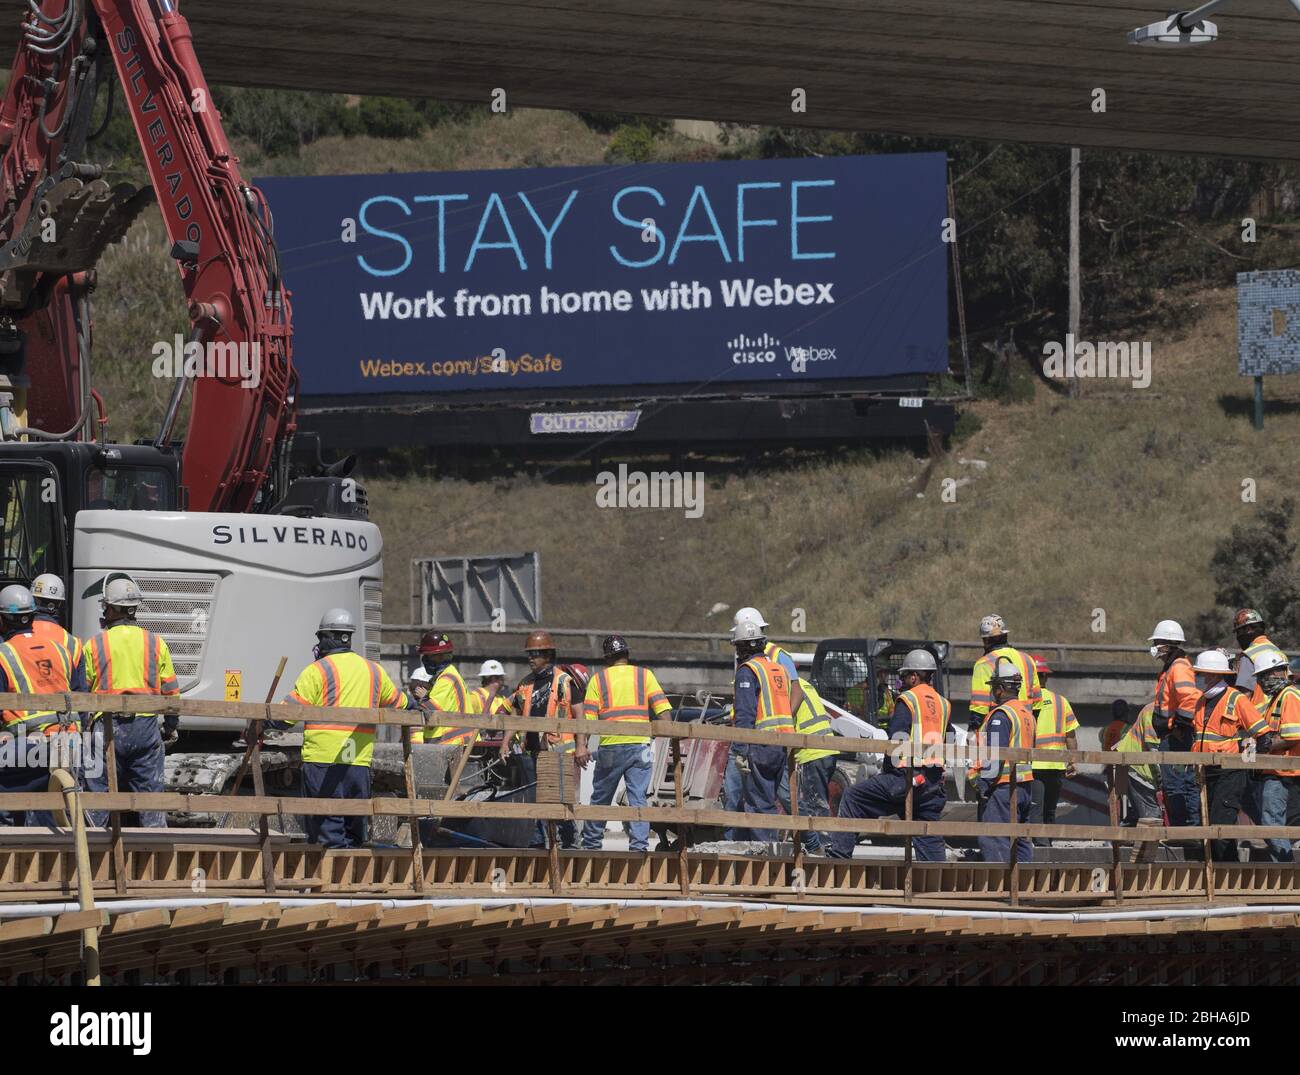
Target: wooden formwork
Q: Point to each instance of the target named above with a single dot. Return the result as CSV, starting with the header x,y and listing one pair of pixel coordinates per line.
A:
x,y
558,941
159,863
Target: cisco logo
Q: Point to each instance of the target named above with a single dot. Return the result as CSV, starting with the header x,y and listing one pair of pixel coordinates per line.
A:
x,y
760,349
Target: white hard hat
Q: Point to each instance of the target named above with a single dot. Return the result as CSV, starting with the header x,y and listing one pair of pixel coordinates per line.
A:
x,y
420,675
121,591
1268,660
1006,671
992,625
337,619
490,668
48,587
1213,661
747,615
747,631
1168,631
16,600
918,660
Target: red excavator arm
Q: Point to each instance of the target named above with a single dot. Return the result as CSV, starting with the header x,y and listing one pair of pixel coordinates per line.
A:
x,y
57,214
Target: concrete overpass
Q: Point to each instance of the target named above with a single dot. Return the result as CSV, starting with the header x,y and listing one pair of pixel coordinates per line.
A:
x,y
1011,70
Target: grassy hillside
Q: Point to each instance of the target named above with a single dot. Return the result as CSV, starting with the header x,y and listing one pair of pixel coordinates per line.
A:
x,y
1110,501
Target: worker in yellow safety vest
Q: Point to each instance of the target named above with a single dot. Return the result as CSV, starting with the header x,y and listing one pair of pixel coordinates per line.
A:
x,y
1057,729
447,693
993,636
1138,783
1248,626
336,755
125,658
618,695
815,765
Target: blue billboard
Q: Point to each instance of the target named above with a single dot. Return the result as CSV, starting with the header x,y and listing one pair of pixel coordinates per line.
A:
x,y
706,277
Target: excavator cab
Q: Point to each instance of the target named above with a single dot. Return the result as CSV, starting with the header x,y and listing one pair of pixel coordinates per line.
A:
x,y
44,484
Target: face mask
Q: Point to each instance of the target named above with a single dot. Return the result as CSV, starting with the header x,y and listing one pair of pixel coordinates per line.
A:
x,y
315,652
1155,652
1201,683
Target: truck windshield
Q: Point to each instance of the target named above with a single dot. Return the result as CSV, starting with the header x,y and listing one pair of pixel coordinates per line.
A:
x,y
30,503
127,488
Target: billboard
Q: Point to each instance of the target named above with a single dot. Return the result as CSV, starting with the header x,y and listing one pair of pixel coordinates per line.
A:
x,y
717,277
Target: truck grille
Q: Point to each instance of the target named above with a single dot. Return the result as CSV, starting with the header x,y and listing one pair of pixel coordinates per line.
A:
x,y
372,611
179,607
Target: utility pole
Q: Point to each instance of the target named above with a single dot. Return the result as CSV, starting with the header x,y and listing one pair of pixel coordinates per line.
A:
x,y
1074,259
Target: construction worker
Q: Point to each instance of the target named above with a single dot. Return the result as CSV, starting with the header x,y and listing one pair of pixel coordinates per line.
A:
x,y
336,755
816,765
1175,700
618,693
1248,626
993,635
733,782
921,718
1138,783
771,650
1012,724
1057,729
124,658
549,692
764,702
1267,802
30,740
447,692
489,695
51,614
1222,717
418,688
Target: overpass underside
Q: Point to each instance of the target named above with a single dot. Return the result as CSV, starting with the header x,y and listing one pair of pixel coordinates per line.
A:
x,y
1007,70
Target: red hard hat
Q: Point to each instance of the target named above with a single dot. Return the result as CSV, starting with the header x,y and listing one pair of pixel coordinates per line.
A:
x,y
1040,664
581,674
435,642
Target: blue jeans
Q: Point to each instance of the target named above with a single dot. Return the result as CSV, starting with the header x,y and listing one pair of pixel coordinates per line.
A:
x,y
761,783
733,795
997,810
20,778
1266,805
323,781
885,795
814,795
140,758
1178,782
631,763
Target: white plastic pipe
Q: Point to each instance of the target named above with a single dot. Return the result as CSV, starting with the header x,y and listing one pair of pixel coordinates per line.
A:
x,y
27,910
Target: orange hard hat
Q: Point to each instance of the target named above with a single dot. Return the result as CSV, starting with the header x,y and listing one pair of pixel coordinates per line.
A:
x,y
538,640
1040,664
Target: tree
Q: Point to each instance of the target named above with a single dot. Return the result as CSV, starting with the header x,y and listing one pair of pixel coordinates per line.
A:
x,y
1254,567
